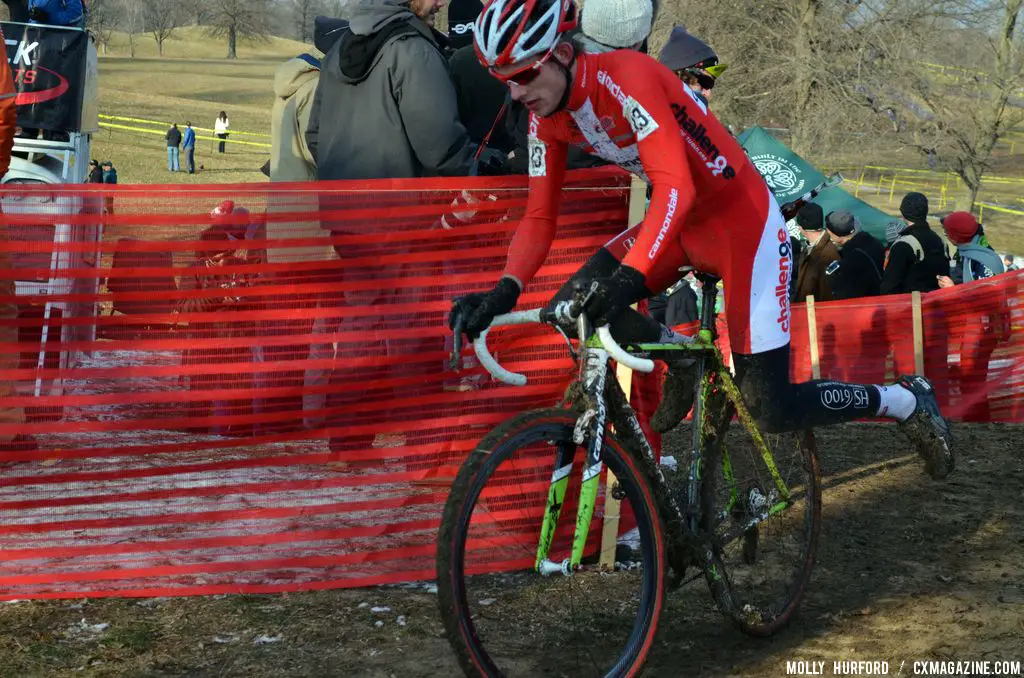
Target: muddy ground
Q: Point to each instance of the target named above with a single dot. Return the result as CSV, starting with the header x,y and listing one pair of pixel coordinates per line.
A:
x,y
908,569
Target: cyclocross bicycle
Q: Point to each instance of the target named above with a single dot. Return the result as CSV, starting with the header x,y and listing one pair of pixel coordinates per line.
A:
x,y
745,513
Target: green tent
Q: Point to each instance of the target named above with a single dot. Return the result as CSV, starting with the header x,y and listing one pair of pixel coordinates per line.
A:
x,y
789,176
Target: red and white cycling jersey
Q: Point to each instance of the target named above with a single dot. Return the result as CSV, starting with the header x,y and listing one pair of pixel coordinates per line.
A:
x,y
709,207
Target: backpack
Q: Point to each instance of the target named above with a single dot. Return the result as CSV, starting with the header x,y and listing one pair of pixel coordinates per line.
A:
x,y
56,12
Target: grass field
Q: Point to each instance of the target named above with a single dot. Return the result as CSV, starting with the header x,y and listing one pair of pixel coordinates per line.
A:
x,y
191,82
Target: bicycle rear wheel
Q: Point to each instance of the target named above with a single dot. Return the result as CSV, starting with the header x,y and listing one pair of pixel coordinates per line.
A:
x,y
764,545
502,617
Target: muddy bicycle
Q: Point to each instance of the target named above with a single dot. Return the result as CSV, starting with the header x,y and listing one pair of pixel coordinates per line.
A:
x,y
521,532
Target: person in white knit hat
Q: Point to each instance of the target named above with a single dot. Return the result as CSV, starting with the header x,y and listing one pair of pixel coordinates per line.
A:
x,y
608,25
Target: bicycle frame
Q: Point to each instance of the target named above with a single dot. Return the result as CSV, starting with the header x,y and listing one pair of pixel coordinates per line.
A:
x,y
592,425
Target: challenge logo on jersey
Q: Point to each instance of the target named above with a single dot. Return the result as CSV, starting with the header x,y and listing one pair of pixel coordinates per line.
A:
x,y
639,119
697,136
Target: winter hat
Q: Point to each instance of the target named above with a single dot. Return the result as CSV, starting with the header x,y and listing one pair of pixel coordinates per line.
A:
x,y
914,207
961,227
893,230
461,15
841,223
614,24
811,217
684,50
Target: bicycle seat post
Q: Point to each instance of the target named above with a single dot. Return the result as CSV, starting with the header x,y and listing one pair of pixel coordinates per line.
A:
x,y
710,295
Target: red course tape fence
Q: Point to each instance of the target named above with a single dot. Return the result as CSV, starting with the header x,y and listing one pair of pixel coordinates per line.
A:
x,y
261,403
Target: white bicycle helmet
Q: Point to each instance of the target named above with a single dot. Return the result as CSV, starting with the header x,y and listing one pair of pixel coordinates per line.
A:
x,y
508,32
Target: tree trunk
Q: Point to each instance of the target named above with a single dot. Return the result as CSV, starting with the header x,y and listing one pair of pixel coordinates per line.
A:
x,y
801,125
159,46
232,42
131,45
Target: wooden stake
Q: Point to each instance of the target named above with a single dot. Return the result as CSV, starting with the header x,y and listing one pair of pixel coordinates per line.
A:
x,y
915,303
812,331
612,506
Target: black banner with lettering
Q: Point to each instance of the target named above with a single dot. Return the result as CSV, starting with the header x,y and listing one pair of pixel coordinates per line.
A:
x,y
48,65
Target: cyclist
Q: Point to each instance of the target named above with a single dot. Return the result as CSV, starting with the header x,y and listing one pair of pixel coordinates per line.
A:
x,y
709,209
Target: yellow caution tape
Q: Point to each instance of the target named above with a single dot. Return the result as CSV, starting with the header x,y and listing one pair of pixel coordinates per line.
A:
x,y
111,125
167,124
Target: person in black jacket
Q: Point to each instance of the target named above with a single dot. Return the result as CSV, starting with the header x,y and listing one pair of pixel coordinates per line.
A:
x,y
858,272
917,257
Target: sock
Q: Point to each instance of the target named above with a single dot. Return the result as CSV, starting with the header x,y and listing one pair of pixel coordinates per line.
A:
x,y
896,402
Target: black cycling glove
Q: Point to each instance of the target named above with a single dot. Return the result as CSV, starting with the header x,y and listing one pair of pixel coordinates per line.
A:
x,y
479,308
611,296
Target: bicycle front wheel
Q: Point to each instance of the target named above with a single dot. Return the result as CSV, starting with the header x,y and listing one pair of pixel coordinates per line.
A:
x,y
502,617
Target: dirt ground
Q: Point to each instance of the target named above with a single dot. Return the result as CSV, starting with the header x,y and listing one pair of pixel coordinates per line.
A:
x,y
908,569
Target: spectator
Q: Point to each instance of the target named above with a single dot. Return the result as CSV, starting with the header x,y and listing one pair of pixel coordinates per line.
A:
x,y
974,258
980,335
220,130
218,258
295,83
917,257
11,357
294,87
1008,260
173,137
109,177
483,102
811,278
607,25
858,271
189,146
391,103
693,60
18,10
461,15
95,173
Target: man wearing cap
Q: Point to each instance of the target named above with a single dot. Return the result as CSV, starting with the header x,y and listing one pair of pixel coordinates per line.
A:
x,y
811,279
917,257
858,271
692,60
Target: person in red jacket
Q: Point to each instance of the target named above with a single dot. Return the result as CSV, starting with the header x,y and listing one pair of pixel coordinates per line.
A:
x,y
709,209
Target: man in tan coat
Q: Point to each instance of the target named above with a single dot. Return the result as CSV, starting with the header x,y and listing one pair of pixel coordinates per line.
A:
x,y
10,359
821,251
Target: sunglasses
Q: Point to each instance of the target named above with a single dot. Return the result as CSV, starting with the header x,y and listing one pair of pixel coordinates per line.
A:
x,y
703,80
524,76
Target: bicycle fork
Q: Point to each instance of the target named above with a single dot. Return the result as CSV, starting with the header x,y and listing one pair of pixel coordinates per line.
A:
x,y
592,423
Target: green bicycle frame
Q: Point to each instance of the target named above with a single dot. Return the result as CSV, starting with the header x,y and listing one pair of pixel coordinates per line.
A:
x,y
595,371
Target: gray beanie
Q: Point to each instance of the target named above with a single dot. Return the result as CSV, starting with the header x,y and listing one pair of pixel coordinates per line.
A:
x,y
614,24
684,50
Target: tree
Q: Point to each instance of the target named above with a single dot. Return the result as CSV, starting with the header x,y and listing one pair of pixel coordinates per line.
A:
x,y
196,11
132,21
161,18
246,20
101,21
303,13
956,114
